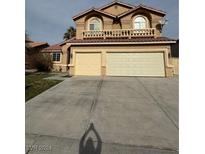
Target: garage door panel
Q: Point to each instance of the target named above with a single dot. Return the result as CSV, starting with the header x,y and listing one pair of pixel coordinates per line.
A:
x,y
135,64
88,64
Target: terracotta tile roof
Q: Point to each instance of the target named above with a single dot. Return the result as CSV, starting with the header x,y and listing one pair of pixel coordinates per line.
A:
x,y
27,40
53,48
35,44
118,40
56,47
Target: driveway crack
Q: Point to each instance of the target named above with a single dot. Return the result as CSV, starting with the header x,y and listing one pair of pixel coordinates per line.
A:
x,y
95,100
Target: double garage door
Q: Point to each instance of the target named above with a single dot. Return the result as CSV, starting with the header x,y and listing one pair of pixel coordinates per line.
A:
x,y
121,64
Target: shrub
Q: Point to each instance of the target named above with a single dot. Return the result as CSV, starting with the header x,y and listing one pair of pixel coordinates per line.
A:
x,y
42,62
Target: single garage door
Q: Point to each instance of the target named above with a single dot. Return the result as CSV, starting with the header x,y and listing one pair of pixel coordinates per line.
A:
x,y
88,64
135,64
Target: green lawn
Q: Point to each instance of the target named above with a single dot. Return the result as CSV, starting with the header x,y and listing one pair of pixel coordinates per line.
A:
x,y
35,84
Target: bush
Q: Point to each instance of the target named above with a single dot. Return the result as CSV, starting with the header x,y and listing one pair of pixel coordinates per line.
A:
x,y
42,62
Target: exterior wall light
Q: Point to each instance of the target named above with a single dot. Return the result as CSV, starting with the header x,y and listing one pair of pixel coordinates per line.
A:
x,y
162,23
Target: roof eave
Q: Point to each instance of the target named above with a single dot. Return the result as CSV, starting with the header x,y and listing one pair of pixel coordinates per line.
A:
x,y
83,12
50,50
125,43
144,7
150,8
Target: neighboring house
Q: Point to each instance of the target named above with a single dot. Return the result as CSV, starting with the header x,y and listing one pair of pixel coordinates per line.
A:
x,y
56,55
118,39
175,56
32,48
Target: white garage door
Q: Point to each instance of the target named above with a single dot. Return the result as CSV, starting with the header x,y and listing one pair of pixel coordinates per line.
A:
x,y
135,64
88,64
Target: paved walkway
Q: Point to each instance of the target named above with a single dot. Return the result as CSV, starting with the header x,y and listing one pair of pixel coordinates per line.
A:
x,y
59,76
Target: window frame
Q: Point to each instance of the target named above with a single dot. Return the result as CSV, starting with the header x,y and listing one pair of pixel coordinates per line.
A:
x,y
56,56
90,23
146,22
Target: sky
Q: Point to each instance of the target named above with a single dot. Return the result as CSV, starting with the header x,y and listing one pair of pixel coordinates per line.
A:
x,y
47,20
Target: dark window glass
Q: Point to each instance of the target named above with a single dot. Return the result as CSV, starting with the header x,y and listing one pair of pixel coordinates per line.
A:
x,y
56,56
92,27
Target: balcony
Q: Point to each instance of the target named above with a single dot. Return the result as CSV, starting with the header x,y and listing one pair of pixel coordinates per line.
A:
x,y
120,33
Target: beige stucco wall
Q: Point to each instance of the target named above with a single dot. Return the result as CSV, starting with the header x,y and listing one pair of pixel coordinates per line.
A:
x,y
126,22
57,64
175,62
131,48
62,65
116,9
82,23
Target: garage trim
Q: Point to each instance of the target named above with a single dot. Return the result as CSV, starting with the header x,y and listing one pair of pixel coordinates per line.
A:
x,y
105,49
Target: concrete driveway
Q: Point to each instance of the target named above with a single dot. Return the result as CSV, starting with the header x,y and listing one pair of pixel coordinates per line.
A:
x,y
129,115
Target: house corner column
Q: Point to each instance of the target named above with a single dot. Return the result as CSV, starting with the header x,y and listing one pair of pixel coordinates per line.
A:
x,y
169,68
103,64
65,58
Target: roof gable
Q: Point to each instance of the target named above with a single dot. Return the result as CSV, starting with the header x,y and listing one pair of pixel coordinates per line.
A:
x,y
130,9
93,10
116,3
116,9
143,7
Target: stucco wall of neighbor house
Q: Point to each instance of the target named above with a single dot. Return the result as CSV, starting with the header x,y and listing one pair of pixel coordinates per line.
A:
x,y
57,67
57,64
169,70
116,9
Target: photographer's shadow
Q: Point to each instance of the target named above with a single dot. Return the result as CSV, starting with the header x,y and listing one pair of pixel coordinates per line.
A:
x,y
87,146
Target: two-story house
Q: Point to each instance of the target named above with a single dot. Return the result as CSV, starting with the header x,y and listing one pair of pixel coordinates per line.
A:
x,y
117,39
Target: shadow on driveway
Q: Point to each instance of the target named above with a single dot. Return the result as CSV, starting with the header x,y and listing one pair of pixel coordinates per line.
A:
x,y
87,146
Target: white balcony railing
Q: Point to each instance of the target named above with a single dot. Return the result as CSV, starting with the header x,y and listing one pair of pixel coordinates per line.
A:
x,y
120,33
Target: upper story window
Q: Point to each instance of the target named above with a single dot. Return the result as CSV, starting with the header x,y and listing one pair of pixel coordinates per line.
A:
x,y
140,22
56,56
95,24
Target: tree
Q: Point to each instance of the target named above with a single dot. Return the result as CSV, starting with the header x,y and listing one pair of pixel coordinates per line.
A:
x,y
42,62
27,36
71,32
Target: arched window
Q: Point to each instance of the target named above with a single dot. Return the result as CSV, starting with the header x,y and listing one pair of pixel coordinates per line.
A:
x,y
140,23
95,24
